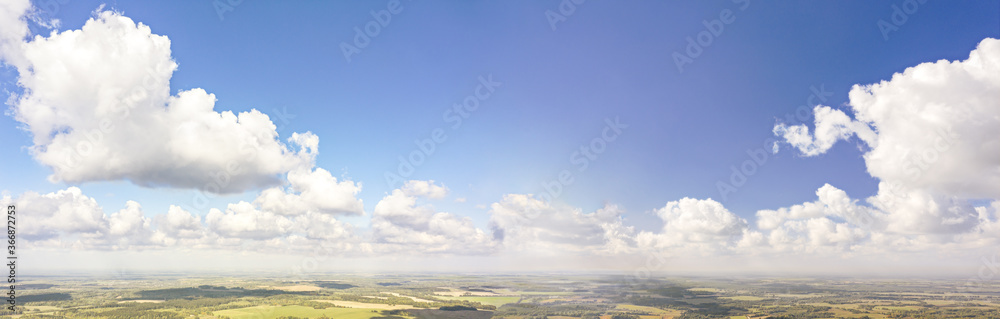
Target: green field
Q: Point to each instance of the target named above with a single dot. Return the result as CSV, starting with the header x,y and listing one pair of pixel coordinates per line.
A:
x,y
652,310
521,297
270,312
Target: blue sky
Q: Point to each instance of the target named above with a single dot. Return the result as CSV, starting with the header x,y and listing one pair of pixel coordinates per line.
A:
x,y
606,60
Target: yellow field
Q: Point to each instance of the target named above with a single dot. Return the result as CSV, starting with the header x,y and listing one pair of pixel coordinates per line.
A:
x,y
270,312
941,302
411,297
142,301
299,288
653,310
41,308
455,292
362,305
812,295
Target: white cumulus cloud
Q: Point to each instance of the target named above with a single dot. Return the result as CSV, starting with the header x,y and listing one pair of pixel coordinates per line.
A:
x,y
695,224
312,191
97,103
399,223
522,222
51,215
934,127
933,140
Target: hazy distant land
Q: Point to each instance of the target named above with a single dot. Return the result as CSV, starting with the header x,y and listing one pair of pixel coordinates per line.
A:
x,y
501,296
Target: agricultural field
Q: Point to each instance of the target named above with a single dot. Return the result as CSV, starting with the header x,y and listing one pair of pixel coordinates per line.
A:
x,y
521,297
489,300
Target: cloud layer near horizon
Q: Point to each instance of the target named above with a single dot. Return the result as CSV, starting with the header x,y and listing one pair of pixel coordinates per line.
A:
x,y
97,104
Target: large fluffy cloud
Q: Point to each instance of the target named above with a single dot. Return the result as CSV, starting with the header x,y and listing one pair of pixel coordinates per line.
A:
x,y
243,220
179,223
933,126
938,124
69,219
831,202
933,140
13,30
314,191
837,224
695,224
97,103
68,211
399,223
